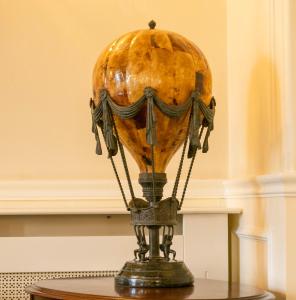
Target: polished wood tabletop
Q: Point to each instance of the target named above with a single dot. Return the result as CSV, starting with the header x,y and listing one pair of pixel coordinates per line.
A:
x,y
104,288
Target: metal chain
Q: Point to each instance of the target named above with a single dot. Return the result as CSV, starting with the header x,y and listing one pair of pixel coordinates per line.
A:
x,y
153,173
175,189
189,172
187,179
117,177
119,183
121,149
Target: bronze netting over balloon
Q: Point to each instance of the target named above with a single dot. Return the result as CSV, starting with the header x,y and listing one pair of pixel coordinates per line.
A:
x,y
201,117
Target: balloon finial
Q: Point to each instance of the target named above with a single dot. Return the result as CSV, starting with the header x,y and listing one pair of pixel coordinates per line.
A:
x,y
152,24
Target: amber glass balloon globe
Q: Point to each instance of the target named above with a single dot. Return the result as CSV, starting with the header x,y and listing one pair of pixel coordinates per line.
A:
x,y
165,61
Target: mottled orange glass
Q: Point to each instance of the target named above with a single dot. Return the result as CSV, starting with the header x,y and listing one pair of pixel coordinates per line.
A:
x,y
162,60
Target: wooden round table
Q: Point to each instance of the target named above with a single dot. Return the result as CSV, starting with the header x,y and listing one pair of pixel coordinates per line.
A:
x,y
104,288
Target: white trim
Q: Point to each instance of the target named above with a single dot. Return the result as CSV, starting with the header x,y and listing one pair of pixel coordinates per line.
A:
x,y
252,233
95,189
97,197
63,207
265,186
101,196
210,210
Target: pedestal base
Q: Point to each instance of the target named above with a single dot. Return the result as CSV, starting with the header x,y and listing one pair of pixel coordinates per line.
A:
x,y
156,272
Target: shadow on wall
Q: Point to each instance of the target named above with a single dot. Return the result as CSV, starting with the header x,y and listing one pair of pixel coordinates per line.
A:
x,y
234,256
264,119
264,146
248,250
249,244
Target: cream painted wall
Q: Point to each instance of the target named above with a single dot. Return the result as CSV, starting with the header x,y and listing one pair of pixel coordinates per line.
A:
x,y
254,105
292,86
251,134
261,37
48,49
291,203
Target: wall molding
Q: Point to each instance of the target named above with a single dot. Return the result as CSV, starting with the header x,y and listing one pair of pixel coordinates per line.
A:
x,y
264,186
96,196
94,189
252,233
103,196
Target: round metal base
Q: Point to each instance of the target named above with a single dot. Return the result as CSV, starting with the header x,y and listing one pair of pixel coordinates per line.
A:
x,y
156,272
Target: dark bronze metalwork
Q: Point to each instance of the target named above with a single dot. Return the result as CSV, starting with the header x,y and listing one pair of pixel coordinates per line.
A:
x,y
102,117
154,263
167,241
156,270
140,253
152,24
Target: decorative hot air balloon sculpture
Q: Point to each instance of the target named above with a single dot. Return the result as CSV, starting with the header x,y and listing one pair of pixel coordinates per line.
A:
x,y
151,94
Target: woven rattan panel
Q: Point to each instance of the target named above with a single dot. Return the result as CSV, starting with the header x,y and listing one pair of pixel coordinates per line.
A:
x,y
12,285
